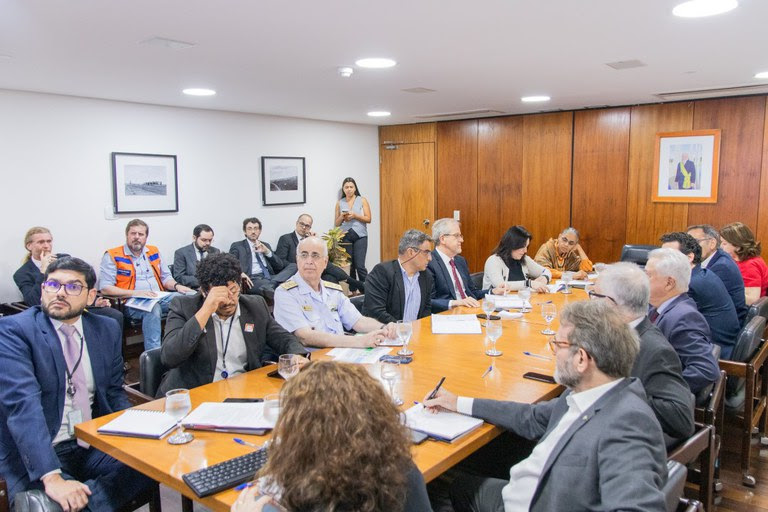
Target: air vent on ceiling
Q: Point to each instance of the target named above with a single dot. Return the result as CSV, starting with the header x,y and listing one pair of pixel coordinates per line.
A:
x,y
626,64
478,112
418,90
167,43
739,90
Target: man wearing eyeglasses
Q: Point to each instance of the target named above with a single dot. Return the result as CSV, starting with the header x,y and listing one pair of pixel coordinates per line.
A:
x,y
401,289
564,254
317,311
600,446
219,332
60,367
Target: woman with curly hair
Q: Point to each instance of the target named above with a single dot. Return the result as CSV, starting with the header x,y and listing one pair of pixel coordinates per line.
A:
x,y
739,242
339,445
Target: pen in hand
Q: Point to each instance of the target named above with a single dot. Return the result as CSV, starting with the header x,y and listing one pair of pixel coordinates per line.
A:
x,y
433,394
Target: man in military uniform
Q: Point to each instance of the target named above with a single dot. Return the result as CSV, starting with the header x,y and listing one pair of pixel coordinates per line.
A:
x,y
317,311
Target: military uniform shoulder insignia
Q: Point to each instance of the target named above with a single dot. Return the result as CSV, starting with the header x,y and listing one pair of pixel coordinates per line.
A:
x,y
288,285
333,286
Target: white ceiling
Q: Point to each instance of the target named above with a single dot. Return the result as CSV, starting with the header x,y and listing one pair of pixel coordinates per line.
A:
x,y
280,56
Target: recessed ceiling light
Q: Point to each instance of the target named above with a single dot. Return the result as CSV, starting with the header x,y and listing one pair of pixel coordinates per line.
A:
x,y
702,8
379,113
534,99
199,92
762,74
375,62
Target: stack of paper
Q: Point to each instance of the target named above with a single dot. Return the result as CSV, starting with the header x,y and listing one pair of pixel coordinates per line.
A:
x,y
359,355
145,303
455,324
243,418
576,283
443,425
139,423
512,302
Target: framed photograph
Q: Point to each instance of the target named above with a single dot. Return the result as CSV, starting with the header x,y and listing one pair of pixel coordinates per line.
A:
x,y
283,180
687,165
144,183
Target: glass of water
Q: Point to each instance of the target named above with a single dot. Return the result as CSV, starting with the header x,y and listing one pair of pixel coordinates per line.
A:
x,y
287,365
549,312
567,278
178,405
489,306
390,373
493,333
599,267
272,407
525,296
404,332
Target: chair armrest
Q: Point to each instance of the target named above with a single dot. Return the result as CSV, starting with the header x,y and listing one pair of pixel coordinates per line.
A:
x,y
136,396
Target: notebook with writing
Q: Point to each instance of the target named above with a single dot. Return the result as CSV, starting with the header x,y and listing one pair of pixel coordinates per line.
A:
x,y
443,425
139,423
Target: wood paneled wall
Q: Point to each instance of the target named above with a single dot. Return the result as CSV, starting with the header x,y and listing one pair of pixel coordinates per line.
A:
x,y
592,169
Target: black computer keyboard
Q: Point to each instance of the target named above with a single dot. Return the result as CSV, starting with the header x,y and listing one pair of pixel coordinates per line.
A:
x,y
227,474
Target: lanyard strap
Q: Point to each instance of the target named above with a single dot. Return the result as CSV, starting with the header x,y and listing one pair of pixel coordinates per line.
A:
x,y
70,388
225,345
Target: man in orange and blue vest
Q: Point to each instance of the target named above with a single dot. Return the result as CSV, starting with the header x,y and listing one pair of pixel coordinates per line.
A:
x,y
138,270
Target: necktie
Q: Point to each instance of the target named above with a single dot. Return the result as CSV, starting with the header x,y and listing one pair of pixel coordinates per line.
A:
x,y
653,315
456,280
72,354
263,267
202,254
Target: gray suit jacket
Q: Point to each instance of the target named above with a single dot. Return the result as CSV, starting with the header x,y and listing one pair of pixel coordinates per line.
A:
x,y
185,264
191,352
612,458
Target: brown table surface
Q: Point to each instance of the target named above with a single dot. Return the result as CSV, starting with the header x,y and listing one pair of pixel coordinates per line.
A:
x,y
460,358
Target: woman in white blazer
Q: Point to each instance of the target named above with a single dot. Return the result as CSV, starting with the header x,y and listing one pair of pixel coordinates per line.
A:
x,y
510,264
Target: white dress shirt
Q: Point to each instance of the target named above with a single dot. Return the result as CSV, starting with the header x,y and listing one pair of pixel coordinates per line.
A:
x,y
447,262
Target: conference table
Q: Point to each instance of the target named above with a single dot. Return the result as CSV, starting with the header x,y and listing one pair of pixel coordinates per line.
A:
x,y
460,358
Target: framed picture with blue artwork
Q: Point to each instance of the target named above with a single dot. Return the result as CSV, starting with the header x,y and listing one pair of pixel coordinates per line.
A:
x,y
687,165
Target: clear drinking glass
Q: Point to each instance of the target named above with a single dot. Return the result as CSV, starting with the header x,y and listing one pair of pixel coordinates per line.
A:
x,y
525,296
390,373
549,312
488,307
567,277
287,365
272,407
493,333
404,332
178,405
599,267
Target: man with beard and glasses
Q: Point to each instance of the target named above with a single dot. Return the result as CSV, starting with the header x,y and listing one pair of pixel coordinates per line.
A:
x,y
61,366
600,446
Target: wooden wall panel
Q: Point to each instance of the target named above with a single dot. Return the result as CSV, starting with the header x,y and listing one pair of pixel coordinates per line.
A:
x,y
499,183
762,210
646,220
407,133
742,122
546,176
599,192
457,179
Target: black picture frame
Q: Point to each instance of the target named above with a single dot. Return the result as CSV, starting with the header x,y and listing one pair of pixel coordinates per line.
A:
x,y
144,183
283,180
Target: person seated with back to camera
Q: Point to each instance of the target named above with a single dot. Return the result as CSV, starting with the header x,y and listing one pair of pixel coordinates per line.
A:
x,y
564,254
509,265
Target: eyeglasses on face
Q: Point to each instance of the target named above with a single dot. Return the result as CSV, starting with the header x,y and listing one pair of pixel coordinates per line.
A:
x,y
304,225
314,256
565,240
594,296
53,286
554,344
458,236
421,251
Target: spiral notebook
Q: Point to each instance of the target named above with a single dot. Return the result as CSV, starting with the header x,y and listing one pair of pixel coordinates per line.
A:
x,y
139,423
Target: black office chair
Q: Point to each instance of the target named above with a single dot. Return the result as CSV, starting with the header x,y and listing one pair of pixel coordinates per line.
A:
x,y
673,489
477,280
700,447
358,302
758,308
636,253
151,371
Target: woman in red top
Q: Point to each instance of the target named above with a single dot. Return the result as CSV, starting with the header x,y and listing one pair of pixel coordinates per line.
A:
x,y
740,243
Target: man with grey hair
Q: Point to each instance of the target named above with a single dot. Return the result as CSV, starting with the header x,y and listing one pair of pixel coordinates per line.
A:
x,y
715,259
316,311
678,318
400,289
564,254
600,448
657,366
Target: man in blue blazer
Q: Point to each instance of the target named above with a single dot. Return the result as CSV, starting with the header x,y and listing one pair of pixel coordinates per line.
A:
x,y
715,259
262,267
186,258
450,272
59,367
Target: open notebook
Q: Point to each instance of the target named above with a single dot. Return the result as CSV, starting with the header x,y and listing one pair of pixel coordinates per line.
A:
x,y
443,426
242,418
139,423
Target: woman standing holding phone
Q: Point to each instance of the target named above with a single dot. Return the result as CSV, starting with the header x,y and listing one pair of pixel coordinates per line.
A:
x,y
352,214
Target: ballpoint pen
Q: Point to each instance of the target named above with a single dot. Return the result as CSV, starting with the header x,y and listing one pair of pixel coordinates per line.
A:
x,y
244,486
437,388
486,372
244,442
531,354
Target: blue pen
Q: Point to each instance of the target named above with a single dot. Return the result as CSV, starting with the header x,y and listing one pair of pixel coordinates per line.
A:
x,y
244,442
531,354
486,372
243,486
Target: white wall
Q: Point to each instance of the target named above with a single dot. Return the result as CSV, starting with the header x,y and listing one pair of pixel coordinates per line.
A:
x,y
55,171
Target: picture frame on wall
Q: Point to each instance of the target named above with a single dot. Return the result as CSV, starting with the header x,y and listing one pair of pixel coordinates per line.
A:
x,y
687,166
283,180
144,183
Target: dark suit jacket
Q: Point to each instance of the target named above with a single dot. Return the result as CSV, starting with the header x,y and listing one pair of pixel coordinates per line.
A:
x,y
728,272
713,301
32,387
385,293
658,368
242,250
185,264
191,352
612,458
286,247
442,289
29,279
688,333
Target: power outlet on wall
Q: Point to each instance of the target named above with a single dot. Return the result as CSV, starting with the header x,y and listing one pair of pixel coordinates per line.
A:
x,y
456,214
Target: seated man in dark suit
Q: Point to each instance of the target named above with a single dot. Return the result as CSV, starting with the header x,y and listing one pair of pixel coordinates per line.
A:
x,y
452,284
29,277
600,446
286,251
61,367
709,293
656,365
715,259
201,345
185,258
262,268
401,289
678,318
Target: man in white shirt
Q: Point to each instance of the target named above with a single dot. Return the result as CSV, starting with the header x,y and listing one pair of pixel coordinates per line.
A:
x,y
600,445
261,267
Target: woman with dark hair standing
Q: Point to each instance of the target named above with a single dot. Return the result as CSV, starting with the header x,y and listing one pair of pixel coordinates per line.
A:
x,y
739,242
510,266
352,214
338,445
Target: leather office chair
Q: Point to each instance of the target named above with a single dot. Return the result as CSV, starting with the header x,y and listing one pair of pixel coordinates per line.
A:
x,y
758,308
38,501
711,413
636,253
10,309
748,362
358,301
699,447
673,489
151,371
5,502
477,280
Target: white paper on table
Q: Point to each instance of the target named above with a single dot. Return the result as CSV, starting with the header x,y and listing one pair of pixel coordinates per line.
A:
x,y
554,288
359,355
443,425
145,303
510,303
576,283
391,343
455,324
228,416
